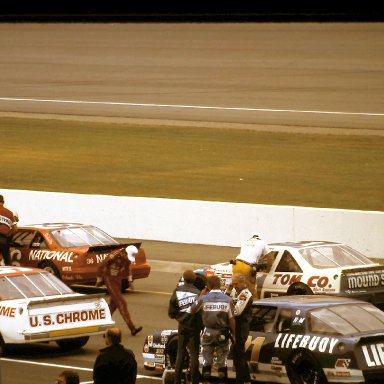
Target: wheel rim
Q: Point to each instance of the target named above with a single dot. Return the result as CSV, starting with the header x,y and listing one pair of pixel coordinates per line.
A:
x,y
307,373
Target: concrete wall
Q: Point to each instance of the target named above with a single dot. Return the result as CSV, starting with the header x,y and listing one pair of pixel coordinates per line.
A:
x,y
201,222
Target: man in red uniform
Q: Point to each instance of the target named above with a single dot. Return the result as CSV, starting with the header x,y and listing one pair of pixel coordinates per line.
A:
x,y
112,270
8,226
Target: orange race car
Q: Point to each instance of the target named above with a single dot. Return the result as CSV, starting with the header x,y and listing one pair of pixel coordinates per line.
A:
x,y
72,252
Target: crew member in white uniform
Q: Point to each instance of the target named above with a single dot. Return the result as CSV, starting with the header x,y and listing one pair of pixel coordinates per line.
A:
x,y
250,252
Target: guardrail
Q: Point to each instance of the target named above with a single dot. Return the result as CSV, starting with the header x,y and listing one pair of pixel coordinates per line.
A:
x,y
201,222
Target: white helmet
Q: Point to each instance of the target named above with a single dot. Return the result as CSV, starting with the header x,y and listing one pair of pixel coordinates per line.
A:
x,y
131,251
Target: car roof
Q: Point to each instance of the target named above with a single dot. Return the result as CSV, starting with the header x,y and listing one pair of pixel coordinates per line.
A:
x,y
304,244
307,301
53,225
12,271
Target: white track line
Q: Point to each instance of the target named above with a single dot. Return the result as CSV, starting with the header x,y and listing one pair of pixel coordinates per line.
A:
x,y
192,107
65,367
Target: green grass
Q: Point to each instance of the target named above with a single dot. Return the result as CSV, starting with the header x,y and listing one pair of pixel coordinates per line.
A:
x,y
193,163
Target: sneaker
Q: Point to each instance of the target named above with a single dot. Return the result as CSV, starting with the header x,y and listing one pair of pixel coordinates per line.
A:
x,y
136,331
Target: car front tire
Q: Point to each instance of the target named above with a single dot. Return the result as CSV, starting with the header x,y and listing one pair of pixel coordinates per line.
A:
x,y
303,368
51,268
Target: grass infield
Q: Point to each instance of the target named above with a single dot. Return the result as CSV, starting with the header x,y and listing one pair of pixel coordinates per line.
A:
x,y
193,163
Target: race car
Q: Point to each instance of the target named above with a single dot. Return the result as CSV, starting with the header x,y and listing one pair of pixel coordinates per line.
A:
x,y
35,306
308,339
72,252
311,267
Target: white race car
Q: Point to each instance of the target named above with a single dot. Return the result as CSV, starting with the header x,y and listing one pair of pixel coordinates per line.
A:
x,y
311,267
35,306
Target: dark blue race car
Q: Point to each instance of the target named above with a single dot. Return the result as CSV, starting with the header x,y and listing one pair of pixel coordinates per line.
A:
x,y
300,339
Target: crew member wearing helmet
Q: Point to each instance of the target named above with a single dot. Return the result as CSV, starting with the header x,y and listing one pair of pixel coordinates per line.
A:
x,y
246,261
112,270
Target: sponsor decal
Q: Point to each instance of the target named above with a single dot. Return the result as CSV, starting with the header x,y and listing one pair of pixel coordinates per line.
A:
x,y
158,345
342,363
67,317
298,320
7,311
43,254
276,360
374,354
313,343
101,257
365,281
289,279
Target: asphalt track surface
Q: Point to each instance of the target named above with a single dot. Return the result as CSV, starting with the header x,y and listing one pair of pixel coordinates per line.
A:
x,y
316,77
296,77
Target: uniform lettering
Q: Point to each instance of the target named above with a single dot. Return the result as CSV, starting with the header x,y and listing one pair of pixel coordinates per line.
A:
x,y
291,341
188,300
43,254
215,307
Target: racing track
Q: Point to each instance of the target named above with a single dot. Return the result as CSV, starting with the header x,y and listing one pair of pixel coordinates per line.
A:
x,y
294,77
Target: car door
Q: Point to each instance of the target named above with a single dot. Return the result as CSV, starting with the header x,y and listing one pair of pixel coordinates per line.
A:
x,y
264,361
284,272
25,245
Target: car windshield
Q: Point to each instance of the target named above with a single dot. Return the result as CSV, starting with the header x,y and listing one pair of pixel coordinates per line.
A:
x,y
31,285
346,319
333,256
82,236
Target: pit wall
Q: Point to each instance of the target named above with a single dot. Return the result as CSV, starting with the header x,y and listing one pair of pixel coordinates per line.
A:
x,y
201,222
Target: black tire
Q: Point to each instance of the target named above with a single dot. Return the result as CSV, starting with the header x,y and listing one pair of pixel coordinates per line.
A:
x,y
303,368
50,267
200,282
299,289
171,353
75,343
2,347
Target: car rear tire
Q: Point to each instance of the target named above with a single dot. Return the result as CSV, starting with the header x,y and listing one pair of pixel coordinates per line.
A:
x,y
50,267
75,343
303,368
299,289
2,347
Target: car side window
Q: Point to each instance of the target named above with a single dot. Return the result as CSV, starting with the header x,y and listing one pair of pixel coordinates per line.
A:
x,y
284,321
288,264
39,241
262,319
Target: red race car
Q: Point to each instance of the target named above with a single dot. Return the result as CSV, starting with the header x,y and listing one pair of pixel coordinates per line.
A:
x,y
72,252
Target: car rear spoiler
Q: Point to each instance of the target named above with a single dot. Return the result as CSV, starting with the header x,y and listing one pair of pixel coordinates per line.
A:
x,y
65,298
111,247
363,269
